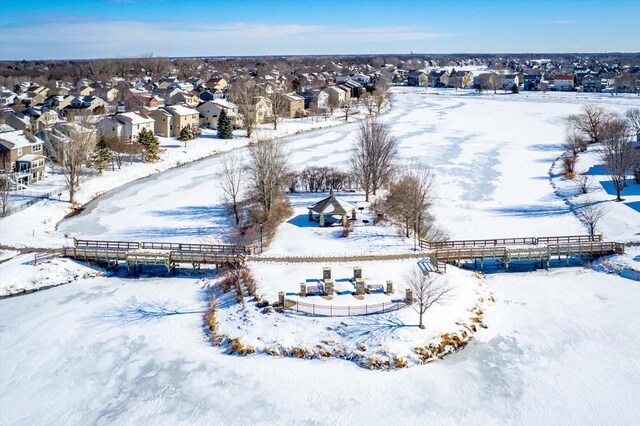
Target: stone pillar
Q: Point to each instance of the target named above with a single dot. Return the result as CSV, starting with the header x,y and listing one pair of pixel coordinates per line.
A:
x,y
359,286
326,273
389,287
409,296
281,298
357,273
310,215
328,287
321,220
303,289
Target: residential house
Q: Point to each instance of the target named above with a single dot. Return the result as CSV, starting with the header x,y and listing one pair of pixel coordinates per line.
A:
x,y
418,78
7,97
293,106
563,82
507,81
261,109
109,94
210,95
337,96
126,125
531,81
170,120
17,120
439,78
155,102
592,83
210,111
460,79
85,91
626,84
184,98
22,156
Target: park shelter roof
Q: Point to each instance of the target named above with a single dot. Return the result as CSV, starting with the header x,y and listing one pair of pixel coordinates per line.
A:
x,y
332,206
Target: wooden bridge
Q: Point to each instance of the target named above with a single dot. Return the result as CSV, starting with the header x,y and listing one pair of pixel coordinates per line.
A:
x,y
169,255
507,250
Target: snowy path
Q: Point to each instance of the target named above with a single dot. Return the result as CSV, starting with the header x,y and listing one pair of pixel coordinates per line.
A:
x,y
491,155
562,348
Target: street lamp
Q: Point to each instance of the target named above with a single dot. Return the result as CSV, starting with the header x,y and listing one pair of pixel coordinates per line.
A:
x,y
260,237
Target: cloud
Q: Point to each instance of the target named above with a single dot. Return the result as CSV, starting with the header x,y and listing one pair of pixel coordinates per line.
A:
x,y
82,38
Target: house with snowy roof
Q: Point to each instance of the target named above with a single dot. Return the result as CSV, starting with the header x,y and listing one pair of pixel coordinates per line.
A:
x,y
22,156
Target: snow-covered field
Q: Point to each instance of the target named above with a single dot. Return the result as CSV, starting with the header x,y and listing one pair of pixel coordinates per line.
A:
x,y
562,345
561,348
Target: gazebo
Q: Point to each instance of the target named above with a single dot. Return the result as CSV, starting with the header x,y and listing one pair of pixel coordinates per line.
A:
x,y
332,207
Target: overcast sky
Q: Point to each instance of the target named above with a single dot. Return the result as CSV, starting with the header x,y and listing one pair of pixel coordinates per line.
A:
x,y
69,29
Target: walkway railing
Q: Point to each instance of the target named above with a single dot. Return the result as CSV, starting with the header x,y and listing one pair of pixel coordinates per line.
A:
x,y
493,242
343,311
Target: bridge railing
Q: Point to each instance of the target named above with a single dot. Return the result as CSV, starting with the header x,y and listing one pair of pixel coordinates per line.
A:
x,y
158,245
454,244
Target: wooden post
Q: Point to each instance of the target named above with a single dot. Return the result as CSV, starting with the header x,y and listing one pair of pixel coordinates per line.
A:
x,y
281,298
359,286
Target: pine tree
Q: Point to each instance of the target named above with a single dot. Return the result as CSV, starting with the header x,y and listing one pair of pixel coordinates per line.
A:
x,y
185,135
514,88
225,129
150,144
102,154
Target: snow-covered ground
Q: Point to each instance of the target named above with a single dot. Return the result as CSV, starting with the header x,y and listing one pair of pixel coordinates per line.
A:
x,y
562,345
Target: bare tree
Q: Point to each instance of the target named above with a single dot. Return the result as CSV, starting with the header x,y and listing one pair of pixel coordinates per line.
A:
x,y
266,173
373,155
5,189
591,121
574,141
279,105
381,94
617,152
633,119
428,290
589,214
347,107
410,197
370,103
72,155
584,182
243,92
569,161
231,183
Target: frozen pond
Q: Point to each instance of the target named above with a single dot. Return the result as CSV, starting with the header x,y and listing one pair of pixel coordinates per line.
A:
x,y
561,348
491,155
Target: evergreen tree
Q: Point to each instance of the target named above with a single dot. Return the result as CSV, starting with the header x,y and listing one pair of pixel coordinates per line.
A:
x,y
150,144
185,135
102,154
225,129
514,89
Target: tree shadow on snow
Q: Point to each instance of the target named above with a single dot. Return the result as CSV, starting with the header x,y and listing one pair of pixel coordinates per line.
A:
x,y
373,328
142,312
531,211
